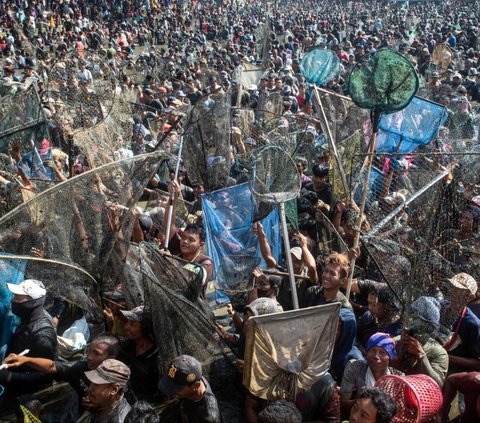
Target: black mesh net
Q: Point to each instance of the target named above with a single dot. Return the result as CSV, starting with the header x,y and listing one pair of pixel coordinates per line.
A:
x,y
79,221
84,100
207,144
22,118
414,234
63,280
274,179
184,324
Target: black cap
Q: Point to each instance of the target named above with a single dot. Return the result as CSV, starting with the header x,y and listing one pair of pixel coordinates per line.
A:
x,y
183,371
320,171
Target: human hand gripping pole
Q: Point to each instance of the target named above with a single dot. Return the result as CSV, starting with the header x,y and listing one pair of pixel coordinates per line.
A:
x,y
6,365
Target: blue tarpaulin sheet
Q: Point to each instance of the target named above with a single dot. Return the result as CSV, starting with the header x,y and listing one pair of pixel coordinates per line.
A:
x,y
11,271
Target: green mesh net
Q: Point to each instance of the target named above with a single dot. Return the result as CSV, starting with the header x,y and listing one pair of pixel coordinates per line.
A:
x,y
385,81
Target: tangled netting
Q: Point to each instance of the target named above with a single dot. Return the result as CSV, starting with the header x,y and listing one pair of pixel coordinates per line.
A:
x,y
22,118
207,144
182,322
75,225
414,204
346,121
82,91
120,131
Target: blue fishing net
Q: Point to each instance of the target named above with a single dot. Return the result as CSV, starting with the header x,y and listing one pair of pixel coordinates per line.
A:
x,y
406,129
320,66
228,217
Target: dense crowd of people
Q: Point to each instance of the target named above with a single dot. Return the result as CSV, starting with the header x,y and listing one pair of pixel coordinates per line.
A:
x,y
409,313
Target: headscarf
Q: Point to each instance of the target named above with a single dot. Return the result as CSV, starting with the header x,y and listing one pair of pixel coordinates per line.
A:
x,y
382,340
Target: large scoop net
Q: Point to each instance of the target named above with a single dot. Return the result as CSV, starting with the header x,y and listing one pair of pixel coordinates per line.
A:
x,y
183,324
407,129
414,228
78,221
83,100
22,117
275,366
207,144
274,179
385,81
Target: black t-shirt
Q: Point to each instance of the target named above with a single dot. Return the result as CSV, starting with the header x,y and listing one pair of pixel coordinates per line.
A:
x,y
194,97
74,374
203,411
155,104
318,402
284,296
324,194
144,369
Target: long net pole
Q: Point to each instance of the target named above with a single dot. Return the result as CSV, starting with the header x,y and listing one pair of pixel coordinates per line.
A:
x,y
371,149
286,246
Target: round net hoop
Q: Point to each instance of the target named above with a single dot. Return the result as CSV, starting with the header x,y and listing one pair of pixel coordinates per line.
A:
x,y
384,81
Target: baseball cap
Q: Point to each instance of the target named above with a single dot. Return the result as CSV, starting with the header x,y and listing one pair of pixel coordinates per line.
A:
x,y
109,371
464,282
135,315
31,287
262,306
297,252
457,75
183,371
395,199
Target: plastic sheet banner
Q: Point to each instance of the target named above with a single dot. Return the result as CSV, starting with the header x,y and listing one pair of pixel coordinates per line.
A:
x,y
290,351
11,271
228,217
405,130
